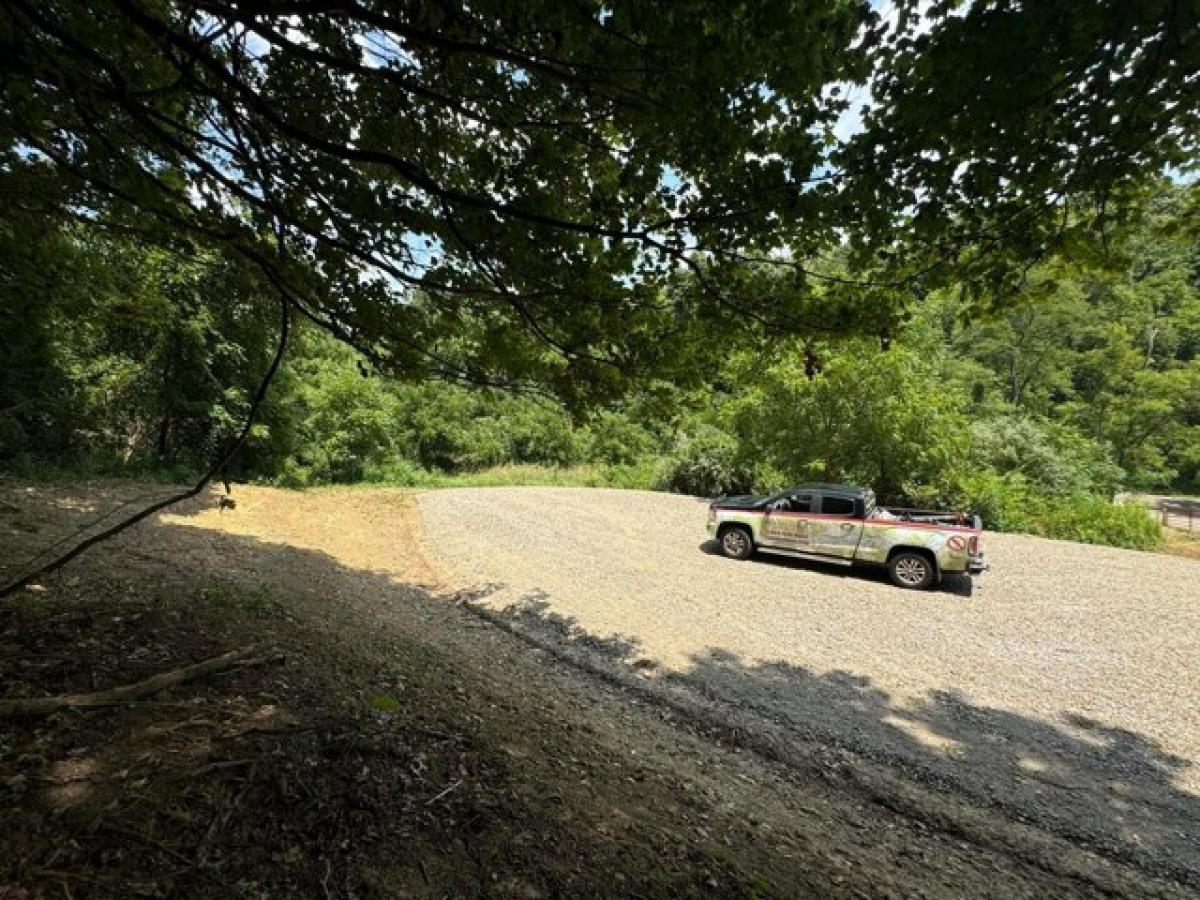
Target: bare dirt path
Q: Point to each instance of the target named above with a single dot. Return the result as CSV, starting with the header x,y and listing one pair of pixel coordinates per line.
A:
x,y
1060,687
425,752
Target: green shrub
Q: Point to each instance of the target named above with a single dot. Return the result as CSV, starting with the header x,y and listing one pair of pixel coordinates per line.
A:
x,y
1013,504
706,464
1005,503
612,438
398,472
642,475
1094,520
292,474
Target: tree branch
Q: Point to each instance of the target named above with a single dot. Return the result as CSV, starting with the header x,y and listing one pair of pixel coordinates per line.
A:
x,y
44,706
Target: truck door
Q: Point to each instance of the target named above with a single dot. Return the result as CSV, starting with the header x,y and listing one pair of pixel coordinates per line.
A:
x,y
836,531
787,524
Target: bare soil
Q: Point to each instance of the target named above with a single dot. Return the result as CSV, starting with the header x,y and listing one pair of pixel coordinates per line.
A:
x,y
408,745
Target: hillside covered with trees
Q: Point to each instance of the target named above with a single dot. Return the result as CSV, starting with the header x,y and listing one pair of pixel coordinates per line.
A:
x,y
702,247
125,360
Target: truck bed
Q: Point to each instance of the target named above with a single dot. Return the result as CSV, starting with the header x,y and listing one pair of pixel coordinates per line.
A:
x,y
932,517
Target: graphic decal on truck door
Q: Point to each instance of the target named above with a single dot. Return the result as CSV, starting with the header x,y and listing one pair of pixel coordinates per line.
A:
x,y
837,538
835,532
785,525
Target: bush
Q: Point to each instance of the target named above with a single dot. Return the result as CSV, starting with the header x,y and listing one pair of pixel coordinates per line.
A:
x,y
1005,503
292,474
706,464
612,438
1013,504
398,472
1094,520
641,476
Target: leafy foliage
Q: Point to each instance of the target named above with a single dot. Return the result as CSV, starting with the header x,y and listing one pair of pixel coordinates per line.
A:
x,y
123,353
995,124
706,463
872,417
504,193
1014,504
1053,457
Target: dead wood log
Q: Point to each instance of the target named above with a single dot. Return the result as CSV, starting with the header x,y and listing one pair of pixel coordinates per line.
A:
x,y
44,706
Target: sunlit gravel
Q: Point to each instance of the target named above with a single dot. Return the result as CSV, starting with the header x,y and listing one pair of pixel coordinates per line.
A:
x,y
1065,676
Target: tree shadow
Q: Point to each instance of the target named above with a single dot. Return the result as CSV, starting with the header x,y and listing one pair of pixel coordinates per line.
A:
x,y
373,758
534,612
954,585
1091,783
1099,787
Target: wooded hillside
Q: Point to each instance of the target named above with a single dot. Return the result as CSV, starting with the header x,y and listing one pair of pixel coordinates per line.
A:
x,y
705,248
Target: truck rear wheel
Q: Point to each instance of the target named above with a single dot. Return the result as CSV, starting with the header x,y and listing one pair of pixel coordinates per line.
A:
x,y
911,570
737,542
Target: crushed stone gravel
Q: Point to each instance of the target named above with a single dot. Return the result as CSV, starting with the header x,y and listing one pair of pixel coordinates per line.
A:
x,y
1061,685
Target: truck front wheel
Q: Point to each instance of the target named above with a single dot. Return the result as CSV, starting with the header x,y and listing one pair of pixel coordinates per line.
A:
x,y
911,570
737,542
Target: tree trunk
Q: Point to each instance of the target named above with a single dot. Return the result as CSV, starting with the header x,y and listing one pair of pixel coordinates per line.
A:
x,y
164,437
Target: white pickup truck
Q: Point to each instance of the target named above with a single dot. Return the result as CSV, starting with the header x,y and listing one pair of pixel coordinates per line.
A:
x,y
837,523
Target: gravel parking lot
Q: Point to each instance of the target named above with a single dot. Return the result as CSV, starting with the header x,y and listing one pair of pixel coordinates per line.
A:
x,y
1061,686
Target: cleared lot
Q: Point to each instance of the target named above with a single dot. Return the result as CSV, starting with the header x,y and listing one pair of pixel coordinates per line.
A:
x,y
560,784
1061,687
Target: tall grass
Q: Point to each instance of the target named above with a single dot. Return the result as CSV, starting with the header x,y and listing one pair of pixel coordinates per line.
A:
x,y
640,476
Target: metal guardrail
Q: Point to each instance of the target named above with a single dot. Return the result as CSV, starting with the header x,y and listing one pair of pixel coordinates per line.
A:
x,y
1177,513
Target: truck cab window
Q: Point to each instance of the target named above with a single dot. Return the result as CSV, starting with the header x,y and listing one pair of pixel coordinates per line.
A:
x,y
801,503
837,506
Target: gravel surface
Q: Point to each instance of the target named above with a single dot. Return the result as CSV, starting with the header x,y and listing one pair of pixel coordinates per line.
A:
x,y
567,784
1060,686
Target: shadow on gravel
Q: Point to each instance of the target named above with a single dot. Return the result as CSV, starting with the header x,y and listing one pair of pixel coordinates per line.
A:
x,y
371,759
956,585
1105,789
534,612
222,814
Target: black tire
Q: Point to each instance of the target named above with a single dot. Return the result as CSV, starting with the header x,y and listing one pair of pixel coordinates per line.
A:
x,y
737,542
911,570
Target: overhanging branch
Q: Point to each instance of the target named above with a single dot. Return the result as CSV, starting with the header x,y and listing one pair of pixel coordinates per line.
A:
x,y
215,469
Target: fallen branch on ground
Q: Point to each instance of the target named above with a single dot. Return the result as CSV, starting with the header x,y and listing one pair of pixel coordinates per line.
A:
x,y
44,706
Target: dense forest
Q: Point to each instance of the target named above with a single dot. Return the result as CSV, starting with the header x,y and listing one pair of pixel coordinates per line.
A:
x,y
697,247
117,357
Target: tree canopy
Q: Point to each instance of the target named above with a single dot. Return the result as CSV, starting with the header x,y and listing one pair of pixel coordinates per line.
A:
x,y
501,191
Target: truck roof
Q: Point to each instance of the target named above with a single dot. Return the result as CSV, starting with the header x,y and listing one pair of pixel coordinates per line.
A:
x,y
826,488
